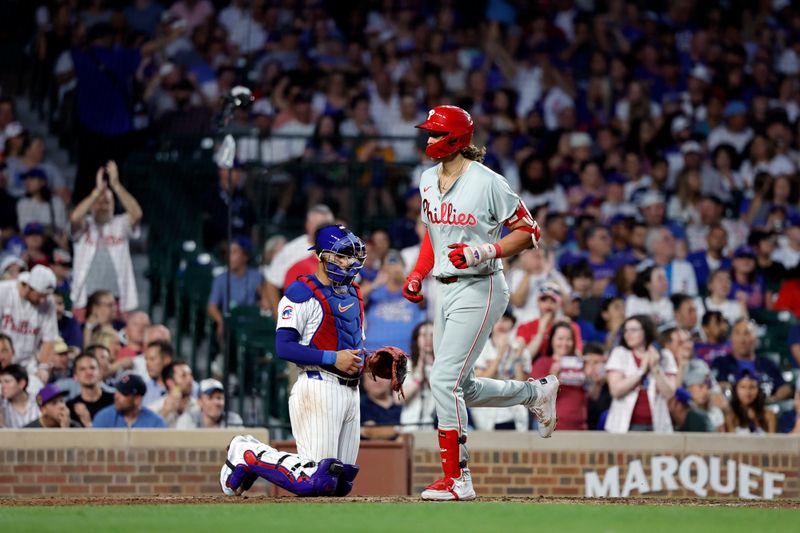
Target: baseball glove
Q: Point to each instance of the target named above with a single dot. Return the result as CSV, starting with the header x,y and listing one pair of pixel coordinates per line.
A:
x,y
388,362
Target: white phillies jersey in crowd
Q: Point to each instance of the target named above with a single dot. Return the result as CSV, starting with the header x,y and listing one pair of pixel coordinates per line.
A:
x,y
472,211
27,325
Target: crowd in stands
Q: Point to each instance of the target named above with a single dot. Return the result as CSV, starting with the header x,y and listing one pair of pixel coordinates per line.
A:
x,y
657,144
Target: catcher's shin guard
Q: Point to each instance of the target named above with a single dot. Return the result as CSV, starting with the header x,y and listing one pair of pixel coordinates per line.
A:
x,y
292,475
349,473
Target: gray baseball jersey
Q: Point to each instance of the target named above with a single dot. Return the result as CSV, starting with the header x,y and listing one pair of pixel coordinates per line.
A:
x,y
472,211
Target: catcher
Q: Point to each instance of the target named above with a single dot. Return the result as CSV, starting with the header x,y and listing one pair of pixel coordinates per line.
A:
x,y
320,329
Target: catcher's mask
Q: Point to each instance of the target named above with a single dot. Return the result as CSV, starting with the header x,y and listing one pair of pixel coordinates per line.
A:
x,y
456,125
341,252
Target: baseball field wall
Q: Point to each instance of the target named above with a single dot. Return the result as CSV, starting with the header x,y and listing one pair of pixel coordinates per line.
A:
x,y
605,465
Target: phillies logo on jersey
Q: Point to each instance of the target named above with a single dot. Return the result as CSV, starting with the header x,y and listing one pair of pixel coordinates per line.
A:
x,y
23,328
446,214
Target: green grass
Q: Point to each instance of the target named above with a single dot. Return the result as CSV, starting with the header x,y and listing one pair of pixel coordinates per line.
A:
x,y
400,517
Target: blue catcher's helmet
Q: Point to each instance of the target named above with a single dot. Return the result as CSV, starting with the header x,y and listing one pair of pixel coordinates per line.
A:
x,y
348,253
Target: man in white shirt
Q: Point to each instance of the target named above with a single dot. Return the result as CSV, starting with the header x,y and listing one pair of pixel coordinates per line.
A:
x,y
788,252
28,318
101,240
294,251
680,274
735,131
209,411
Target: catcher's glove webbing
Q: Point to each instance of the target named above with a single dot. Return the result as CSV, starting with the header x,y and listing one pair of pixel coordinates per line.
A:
x,y
388,362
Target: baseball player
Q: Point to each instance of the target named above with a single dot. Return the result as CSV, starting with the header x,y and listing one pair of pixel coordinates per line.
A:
x,y
321,329
464,207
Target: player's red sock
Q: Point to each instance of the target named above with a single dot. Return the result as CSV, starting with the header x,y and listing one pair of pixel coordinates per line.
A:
x,y
449,447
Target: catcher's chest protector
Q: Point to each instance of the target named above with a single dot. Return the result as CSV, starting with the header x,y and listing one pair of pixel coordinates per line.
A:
x,y
342,317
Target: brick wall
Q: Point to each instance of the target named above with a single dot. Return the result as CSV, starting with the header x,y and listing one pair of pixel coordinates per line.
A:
x,y
113,462
521,464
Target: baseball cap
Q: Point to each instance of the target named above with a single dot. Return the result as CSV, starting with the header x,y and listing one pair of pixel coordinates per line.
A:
x,y
691,147
744,251
683,396
13,129
551,291
48,393
62,257
40,278
734,108
10,260
130,384
244,243
33,228
207,386
579,140
697,372
262,106
59,346
651,198
701,72
394,257
679,123
743,373
614,178
35,172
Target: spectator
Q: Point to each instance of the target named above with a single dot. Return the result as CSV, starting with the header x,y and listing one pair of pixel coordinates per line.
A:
x,y
715,337
743,357
34,253
32,164
748,413
127,411
92,397
245,282
419,410
6,350
53,411
380,414
788,253
497,361
534,336
69,329
747,286
773,273
403,231
705,392
272,248
684,416
62,268
735,131
19,408
101,308
661,245
60,362
389,316
685,310
229,190
609,321
641,380
144,16
157,356
133,334
108,338
101,240
598,397
208,413
533,269
177,377
295,250
650,296
41,207
28,317
712,258
563,360
11,266
718,299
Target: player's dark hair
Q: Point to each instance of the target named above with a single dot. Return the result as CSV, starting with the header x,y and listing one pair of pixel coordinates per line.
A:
x,y
169,371
16,372
9,340
164,348
474,153
561,324
414,340
647,325
642,281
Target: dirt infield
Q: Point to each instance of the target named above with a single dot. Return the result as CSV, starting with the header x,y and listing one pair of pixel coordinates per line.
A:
x,y
185,500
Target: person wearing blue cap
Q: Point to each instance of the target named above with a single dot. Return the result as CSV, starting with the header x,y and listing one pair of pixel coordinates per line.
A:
x,y
245,283
734,130
53,409
321,330
685,417
127,411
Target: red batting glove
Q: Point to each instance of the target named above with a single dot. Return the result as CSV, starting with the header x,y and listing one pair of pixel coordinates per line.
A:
x,y
456,255
412,290
463,256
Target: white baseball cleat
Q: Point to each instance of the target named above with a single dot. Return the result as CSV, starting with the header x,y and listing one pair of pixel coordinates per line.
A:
x,y
450,489
234,477
544,406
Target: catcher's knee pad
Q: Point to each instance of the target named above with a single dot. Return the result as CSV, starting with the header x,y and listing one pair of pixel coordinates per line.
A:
x,y
349,473
290,473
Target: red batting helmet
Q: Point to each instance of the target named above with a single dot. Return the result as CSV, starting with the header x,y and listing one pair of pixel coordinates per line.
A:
x,y
453,121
